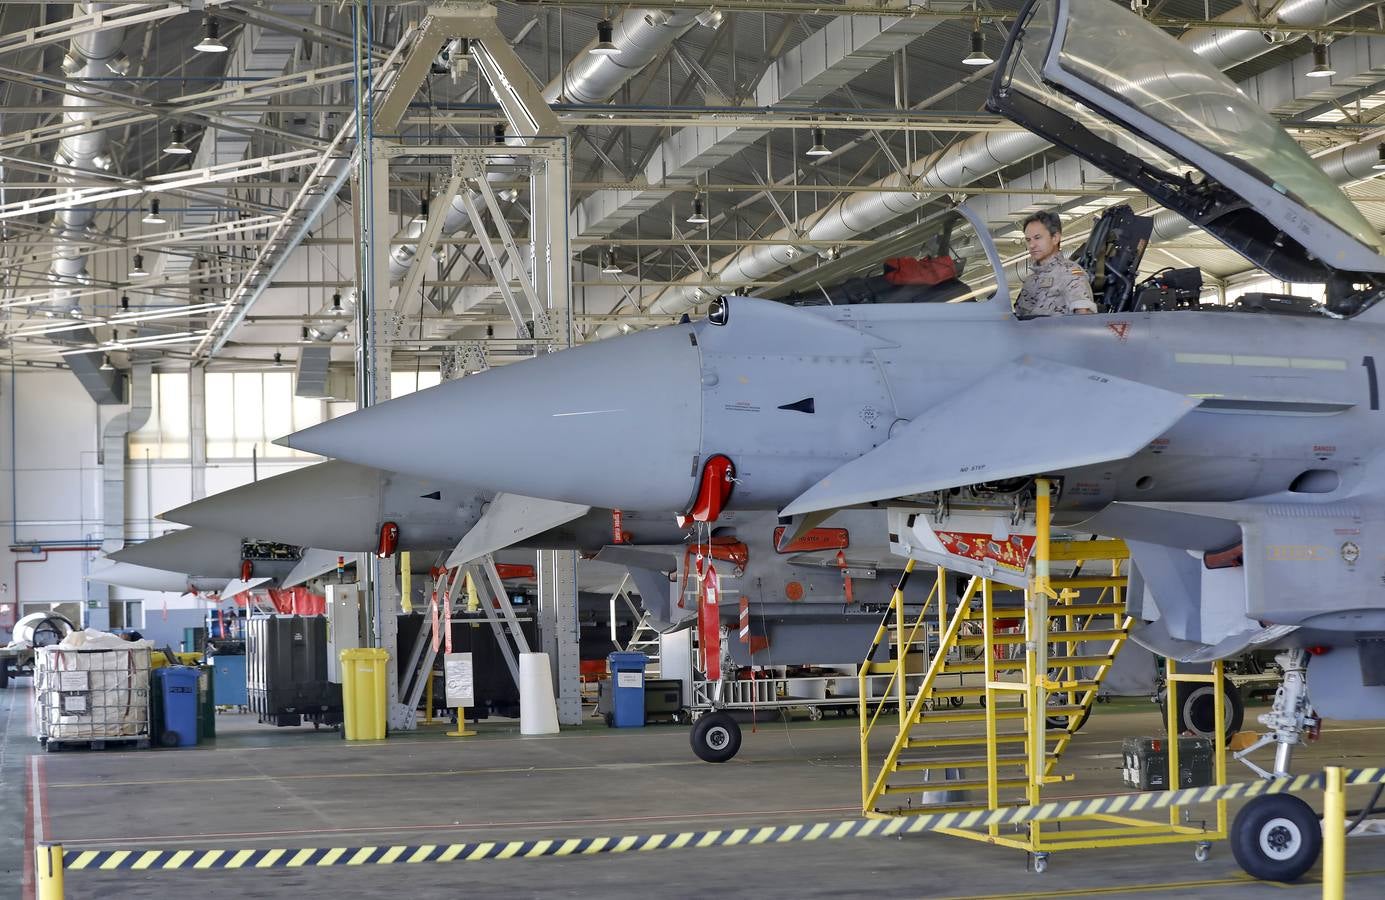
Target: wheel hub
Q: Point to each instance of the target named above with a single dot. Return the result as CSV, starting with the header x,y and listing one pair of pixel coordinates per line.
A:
x,y
718,738
1280,839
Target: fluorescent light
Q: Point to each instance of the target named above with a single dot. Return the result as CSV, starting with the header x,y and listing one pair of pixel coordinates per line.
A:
x,y
603,45
819,147
211,37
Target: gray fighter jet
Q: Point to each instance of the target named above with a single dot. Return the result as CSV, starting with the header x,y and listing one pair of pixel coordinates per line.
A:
x,y
204,560
355,508
1239,451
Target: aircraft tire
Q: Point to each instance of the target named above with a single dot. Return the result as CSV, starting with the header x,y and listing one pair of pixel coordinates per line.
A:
x,y
1276,837
716,737
1195,712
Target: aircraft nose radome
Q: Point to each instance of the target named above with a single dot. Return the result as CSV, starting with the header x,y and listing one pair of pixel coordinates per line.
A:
x,y
331,504
614,423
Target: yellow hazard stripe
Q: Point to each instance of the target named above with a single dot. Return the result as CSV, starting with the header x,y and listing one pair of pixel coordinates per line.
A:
x,y
275,858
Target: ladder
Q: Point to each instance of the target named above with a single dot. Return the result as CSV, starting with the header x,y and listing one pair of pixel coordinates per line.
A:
x,y
1030,663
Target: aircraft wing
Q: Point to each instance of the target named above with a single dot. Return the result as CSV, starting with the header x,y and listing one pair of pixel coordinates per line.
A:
x,y
239,586
1015,422
511,518
313,564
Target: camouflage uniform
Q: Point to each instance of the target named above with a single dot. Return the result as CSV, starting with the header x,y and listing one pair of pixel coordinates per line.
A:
x,y
1055,287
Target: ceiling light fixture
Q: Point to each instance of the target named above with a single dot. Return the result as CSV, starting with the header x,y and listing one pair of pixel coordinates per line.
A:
x,y
819,147
211,37
124,302
499,131
978,55
603,45
106,363
1322,67
153,217
699,215
609,266
278,358
137,271
711,18
421,218
336,305
176,147
1379,157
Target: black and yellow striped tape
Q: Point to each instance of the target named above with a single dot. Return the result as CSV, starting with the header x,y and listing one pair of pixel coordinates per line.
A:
x,y
280,858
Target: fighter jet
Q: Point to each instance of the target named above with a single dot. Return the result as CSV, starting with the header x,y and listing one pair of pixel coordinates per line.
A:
x,y
203,560
1251,440
362,509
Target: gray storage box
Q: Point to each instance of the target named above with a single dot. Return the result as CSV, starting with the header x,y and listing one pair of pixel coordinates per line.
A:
x,y
1146,763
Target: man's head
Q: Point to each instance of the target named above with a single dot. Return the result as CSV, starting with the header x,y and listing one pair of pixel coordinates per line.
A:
x,y
1043,233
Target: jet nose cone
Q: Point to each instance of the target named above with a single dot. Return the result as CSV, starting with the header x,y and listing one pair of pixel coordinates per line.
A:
x,y
614,423
331,504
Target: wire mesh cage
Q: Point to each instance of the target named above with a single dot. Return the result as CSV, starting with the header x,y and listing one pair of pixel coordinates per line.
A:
x,y
92,694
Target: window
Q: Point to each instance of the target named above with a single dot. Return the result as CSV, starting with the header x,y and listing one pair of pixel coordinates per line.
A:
x,y
247,411
402,383
126,614
165,435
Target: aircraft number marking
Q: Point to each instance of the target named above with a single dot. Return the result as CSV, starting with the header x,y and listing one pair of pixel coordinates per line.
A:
x,y
1371,381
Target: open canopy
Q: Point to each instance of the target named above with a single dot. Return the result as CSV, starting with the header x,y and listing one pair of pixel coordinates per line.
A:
x,y
1092,77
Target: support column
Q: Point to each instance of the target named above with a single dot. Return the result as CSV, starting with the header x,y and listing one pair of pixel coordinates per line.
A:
x,y
558,629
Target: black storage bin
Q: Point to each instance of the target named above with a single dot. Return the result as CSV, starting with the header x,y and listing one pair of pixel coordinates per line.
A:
x,y
1146,763
286,671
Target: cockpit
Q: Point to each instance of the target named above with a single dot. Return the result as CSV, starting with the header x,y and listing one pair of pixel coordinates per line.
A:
x,y
1122,94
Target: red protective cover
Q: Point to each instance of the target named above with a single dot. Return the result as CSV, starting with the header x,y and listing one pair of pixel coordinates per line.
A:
x,y
926,270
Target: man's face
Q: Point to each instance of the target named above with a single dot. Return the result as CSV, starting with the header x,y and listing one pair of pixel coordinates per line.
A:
x,y
1040,244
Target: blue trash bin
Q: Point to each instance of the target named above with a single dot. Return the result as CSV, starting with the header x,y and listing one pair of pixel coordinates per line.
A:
x,y
178,691
627,689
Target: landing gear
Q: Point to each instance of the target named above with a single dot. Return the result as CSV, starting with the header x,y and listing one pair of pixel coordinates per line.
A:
x,y
1289,719
716,737
1277,837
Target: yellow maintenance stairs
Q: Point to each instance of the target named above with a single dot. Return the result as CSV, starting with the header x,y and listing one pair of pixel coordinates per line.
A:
x,y
985,696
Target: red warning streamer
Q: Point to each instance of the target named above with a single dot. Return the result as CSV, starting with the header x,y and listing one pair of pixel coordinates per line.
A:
x,y
709,625
846,578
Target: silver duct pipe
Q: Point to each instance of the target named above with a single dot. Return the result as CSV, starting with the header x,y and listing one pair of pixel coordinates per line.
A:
x,y
955,167
1226,47
639,36
113,455
95,54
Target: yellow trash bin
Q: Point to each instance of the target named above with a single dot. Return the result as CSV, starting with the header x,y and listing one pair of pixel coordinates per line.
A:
x,y
363,693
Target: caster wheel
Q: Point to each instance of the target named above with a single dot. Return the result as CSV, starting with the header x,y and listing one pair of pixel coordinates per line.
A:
x,y
1202,852
610,719
168,739
814,714
1040,863
1276,837
955,701
716,737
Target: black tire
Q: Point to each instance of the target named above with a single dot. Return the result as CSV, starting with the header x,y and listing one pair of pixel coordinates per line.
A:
x,y
956,701
610,720
1196,712
1276,837
168,739
1060,723
4,673
716,737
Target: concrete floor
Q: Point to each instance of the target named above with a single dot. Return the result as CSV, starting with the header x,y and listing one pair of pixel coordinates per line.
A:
x,y
262,787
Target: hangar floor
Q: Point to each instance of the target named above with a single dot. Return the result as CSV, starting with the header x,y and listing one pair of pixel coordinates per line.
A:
x,y
293,788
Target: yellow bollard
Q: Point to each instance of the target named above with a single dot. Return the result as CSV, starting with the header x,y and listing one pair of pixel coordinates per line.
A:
x,y
462,730
1334,835
50,871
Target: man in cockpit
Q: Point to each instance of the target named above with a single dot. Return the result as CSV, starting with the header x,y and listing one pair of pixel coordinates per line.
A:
x,y
1056,286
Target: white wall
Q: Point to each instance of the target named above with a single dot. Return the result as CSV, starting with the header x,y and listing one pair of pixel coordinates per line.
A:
x,y
50,494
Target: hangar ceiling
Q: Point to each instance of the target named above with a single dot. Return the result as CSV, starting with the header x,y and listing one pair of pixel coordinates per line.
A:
x,y
802,133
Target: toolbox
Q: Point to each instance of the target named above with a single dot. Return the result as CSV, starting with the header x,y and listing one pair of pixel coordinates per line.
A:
x,y
1146,763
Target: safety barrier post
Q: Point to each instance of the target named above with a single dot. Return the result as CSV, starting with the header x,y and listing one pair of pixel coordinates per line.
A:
x,y
1334,837
49,860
